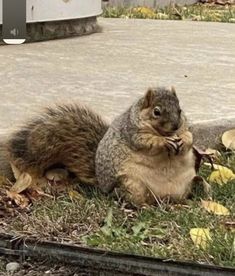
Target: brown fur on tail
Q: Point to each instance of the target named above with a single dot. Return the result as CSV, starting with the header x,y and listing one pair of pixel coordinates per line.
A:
x,y
66,135
5,167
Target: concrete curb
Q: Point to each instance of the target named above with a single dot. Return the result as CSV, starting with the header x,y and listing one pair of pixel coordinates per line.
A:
x,y
208,133
41,31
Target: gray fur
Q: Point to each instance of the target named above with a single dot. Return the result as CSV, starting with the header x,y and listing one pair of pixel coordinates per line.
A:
x,y
120,139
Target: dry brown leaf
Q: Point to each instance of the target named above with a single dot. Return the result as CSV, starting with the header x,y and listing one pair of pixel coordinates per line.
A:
x,y
2,223
20,200
211,151
215,154
199,156
15,171
228,139
200,237
215,208
41,193
23,182
35,194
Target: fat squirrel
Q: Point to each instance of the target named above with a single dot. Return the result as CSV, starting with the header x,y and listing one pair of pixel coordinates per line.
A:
x,y
147,150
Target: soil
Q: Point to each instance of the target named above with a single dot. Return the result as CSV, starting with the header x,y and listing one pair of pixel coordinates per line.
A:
x,y
42,267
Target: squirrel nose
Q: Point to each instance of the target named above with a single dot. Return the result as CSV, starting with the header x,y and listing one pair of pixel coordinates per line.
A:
x,y
175,126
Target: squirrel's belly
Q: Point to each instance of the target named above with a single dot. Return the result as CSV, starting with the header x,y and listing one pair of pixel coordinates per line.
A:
x,y
165,176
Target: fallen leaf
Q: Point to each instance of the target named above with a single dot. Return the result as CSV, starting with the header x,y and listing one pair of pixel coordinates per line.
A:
x,y
228,139
15,171
145,12
22,183
2,223
221,175
211,151
215,208
201,155
215,154
200,237
74,195
35,194
20,200
215,166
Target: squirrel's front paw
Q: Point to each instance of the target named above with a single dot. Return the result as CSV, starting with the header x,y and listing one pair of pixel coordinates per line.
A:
x,y
186,142
173,144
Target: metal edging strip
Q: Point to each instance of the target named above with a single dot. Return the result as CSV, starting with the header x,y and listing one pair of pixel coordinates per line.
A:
x,y
105,260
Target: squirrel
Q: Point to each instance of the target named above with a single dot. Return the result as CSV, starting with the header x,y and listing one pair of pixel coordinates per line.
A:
x,y
64,136
148,150
5,167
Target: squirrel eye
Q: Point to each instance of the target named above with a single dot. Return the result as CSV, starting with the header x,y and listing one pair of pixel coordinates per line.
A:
x,y
156,112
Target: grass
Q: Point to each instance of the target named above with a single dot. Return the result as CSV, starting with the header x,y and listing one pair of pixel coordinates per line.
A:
x,y
94,220
197,12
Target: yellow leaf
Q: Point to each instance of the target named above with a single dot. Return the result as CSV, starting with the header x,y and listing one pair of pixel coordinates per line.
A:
x,y
200,237
22,183
215,208
221,175
228,139
74,195
145,12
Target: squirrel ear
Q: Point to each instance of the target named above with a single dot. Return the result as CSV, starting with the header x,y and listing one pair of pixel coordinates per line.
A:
x,y
148,98
173,90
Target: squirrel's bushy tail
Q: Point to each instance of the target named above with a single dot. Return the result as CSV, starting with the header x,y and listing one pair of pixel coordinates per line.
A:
x,y
66,135
5,167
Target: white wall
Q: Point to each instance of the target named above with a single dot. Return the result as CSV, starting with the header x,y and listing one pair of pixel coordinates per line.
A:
x,y
50,10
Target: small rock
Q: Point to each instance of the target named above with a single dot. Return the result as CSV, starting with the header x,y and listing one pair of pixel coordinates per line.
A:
x,y
12,267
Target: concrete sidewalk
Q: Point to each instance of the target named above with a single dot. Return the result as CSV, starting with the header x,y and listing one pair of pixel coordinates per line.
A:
x,y
109,70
